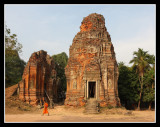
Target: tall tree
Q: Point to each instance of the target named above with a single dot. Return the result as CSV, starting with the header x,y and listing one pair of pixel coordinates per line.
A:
x,y
127,86
14,66
149,82
61,62
149,88
12,46
140,62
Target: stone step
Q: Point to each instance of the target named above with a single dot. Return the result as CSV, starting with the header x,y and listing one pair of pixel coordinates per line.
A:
x,y
95,107
93,103
91,106
91,112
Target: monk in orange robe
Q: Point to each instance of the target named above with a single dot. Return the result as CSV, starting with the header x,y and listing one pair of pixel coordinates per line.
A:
x,y
45,111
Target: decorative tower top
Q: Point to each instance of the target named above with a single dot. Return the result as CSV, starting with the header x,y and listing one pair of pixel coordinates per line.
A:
x,y
92,22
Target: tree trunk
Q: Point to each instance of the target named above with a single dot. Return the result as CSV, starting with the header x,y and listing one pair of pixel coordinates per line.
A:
x,y
150,105
139,101
140,94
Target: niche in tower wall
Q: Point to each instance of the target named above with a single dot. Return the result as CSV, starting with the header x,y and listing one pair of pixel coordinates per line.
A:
x,y
74,85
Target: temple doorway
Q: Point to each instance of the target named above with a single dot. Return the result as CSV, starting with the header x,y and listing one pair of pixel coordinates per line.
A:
x,y
92,89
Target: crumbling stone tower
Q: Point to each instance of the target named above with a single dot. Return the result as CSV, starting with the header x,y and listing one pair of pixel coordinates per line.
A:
x,y
92,70
39,80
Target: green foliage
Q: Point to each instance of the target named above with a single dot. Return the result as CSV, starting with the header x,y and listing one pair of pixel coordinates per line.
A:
x,y
140,60
136,83
61,62
61,59
149,86
11,43
127,85
14,66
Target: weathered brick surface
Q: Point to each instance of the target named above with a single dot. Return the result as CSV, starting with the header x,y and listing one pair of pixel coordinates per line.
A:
x,y
39,75
92,58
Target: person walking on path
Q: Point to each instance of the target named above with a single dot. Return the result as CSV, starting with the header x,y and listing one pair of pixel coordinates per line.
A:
x,y
45,111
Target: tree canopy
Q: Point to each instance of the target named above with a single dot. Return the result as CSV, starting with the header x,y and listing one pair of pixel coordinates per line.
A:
x,y
136,83
14,65
61,62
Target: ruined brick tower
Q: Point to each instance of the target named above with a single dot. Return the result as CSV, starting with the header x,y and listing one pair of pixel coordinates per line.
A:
x,y
39,80
92,70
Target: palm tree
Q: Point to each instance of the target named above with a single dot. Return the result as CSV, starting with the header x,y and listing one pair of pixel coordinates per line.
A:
x,y
151,73
140,62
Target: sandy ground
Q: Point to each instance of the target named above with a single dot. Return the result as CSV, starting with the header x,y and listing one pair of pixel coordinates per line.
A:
x,y
64,114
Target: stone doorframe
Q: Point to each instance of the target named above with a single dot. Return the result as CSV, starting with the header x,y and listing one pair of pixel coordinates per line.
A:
x,y
87,89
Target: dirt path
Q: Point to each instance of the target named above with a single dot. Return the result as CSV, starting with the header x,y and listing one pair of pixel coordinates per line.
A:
x,y
63,114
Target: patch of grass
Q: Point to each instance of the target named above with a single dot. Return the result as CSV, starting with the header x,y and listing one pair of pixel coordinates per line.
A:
x,y
14,105
110,107
23,108
111,110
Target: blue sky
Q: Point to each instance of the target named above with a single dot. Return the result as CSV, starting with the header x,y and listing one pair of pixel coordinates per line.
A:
x,y
53,27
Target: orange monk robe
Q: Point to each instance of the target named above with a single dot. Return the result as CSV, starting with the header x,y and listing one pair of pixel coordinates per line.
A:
x,y
45,108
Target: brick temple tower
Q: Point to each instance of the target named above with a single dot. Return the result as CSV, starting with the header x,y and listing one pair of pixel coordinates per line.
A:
x,y
39,80
92,70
